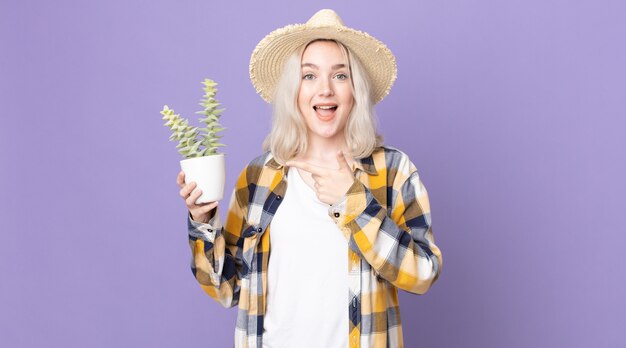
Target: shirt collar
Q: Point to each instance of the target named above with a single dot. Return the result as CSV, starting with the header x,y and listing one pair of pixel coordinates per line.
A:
x,y
365,164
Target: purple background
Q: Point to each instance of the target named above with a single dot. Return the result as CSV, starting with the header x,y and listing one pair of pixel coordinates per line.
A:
x,y
512,111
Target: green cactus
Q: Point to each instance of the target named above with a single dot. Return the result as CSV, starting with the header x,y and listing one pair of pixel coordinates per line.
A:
x,y
191,143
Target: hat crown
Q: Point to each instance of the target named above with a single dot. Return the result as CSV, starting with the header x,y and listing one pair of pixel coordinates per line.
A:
x,y
325,18
269,56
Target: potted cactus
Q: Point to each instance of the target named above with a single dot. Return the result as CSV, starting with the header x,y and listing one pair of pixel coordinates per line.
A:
x,y
202,163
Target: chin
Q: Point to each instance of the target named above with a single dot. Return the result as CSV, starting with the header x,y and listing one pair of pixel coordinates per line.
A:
x,y
328,134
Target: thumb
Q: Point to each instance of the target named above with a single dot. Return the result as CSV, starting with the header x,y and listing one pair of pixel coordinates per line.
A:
x,y
341,159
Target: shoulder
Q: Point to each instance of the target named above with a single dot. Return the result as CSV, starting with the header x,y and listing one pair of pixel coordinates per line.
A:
x,y
401,173
253,178
254,167
394,161
261,160
259,170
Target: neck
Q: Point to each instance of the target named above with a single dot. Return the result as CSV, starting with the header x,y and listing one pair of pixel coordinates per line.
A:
x,y
323,150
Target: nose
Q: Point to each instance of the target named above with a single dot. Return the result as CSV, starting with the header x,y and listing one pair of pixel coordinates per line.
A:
x,y
326,88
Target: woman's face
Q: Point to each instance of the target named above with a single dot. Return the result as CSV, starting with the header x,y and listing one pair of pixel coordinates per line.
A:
x,y
325,95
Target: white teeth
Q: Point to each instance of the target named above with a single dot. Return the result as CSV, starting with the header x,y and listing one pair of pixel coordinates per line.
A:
x,y
326,107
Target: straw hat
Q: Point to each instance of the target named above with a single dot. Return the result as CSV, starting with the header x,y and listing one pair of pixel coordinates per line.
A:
x,y
270,54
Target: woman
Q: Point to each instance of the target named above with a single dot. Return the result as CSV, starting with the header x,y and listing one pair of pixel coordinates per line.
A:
x,y
350,218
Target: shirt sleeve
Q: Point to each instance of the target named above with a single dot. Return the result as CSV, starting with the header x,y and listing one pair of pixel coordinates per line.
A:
x,y
398,244
216,255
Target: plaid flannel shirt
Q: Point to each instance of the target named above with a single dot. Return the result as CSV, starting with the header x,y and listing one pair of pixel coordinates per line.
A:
x,y
385,217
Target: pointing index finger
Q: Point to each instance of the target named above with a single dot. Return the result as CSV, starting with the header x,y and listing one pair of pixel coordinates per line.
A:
x,y
342,160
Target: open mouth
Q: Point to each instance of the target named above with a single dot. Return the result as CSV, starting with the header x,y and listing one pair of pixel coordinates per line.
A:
x,y
323,108
325,112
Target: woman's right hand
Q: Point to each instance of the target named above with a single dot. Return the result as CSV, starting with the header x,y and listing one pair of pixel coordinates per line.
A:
x,y
199,212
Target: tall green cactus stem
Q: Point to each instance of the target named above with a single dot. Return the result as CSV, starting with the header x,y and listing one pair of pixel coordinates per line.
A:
x,y
194,141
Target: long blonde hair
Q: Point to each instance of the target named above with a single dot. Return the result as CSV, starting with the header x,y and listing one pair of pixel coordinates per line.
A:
x,y
288,137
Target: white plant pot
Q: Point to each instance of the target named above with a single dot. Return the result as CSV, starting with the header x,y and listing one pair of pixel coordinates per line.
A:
x,y
209,173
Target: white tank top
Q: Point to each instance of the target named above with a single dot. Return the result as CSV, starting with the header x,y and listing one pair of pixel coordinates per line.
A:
x,y
307,276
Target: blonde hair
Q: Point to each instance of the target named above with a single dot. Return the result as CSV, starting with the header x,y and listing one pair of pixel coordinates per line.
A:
x,y
288,137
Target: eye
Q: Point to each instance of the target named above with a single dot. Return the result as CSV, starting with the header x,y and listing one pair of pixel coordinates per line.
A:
x,y
308,76
341,76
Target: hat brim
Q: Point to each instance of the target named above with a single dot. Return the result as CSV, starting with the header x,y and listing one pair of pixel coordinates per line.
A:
x,y
268,58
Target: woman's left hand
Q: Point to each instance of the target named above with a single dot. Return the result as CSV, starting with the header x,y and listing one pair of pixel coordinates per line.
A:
x,y
330,184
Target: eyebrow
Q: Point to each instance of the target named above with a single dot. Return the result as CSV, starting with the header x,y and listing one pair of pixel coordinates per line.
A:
x,y
311,65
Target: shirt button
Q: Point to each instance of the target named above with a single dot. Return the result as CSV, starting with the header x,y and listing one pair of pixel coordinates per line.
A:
x,y
337,215
278,198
